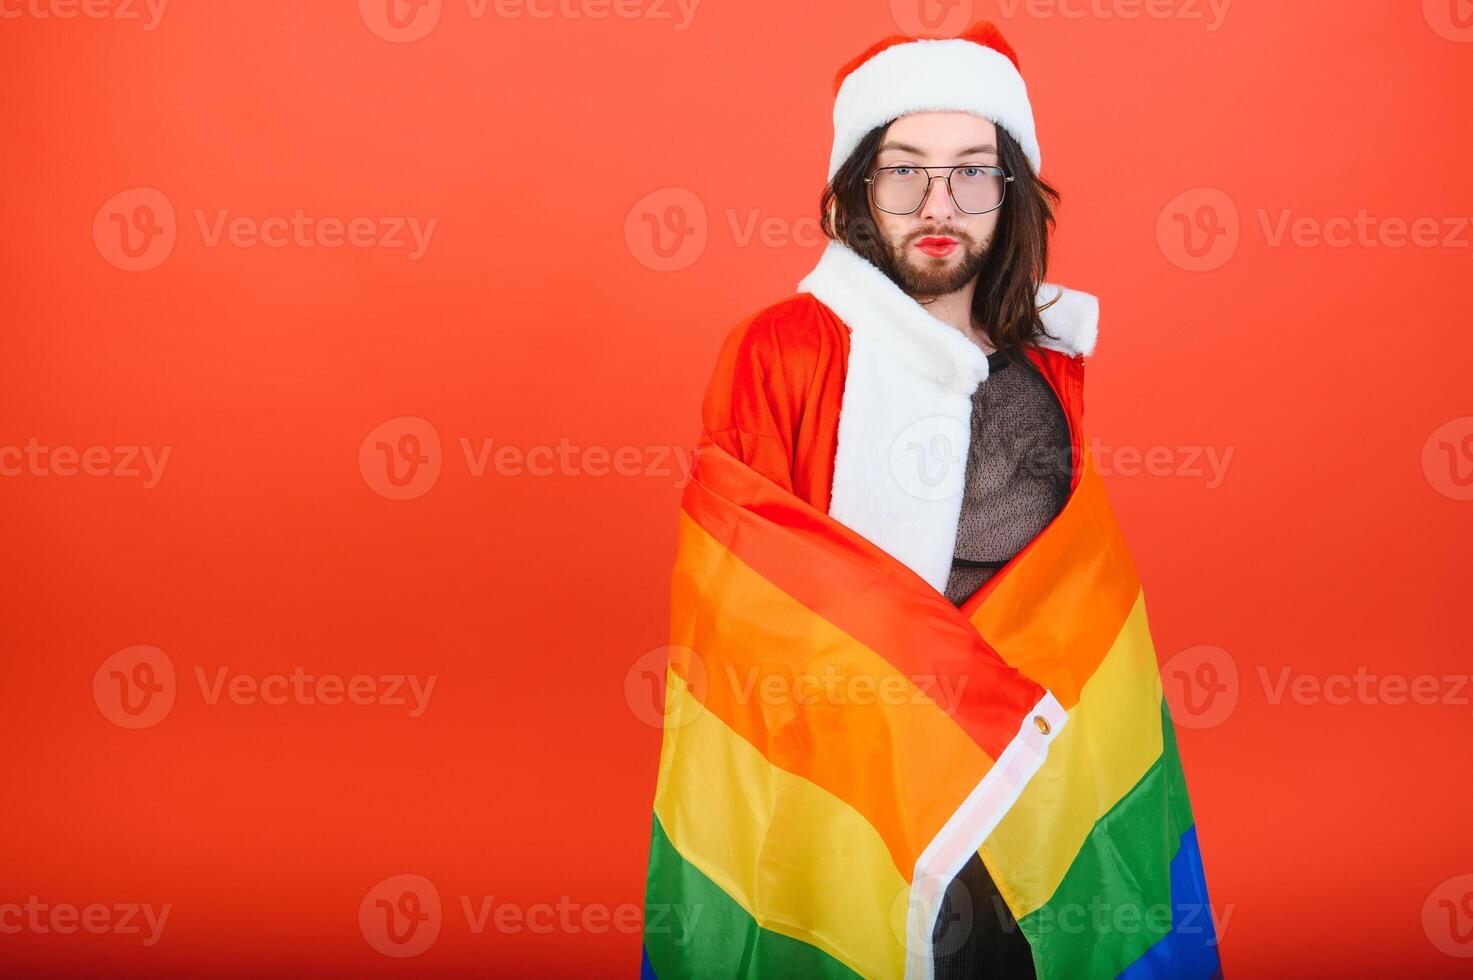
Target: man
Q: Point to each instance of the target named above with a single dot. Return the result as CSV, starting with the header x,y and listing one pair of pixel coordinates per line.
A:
x,y
922,390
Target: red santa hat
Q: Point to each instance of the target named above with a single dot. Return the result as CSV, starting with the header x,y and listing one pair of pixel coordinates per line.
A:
x,y
977,72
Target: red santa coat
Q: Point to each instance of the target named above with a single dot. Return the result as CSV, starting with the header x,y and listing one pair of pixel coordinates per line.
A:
x,y
852,396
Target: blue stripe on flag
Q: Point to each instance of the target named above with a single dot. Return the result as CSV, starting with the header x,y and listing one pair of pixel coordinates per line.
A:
x,y
1189,950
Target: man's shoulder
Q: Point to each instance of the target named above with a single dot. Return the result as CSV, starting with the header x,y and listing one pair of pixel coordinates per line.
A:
x,y
795,326
771,363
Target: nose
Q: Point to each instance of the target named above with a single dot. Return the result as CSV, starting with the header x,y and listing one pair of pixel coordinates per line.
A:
x,y
937,204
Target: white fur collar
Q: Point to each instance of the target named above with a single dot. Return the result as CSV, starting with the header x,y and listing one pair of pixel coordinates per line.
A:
x,y
905,422
866,298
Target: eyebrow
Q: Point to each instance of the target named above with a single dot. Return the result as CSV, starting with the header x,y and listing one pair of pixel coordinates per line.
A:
x,y
907,148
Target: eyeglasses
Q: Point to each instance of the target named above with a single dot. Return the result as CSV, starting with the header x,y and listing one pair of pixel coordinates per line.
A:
x,y
973,189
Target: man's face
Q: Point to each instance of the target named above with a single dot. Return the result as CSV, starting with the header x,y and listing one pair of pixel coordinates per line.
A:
x,y
927,265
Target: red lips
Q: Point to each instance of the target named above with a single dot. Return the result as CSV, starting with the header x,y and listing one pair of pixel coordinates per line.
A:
x,y
936,246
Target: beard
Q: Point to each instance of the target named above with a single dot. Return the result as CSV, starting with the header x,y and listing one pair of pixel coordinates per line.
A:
x,y
921,276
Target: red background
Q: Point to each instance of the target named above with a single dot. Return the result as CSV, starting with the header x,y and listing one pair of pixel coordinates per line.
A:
x,y
534,318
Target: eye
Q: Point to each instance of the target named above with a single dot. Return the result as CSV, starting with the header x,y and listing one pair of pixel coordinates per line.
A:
x,y
972,171
902,171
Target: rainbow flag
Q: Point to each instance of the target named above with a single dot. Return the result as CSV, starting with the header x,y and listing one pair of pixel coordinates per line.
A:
x,y
839,739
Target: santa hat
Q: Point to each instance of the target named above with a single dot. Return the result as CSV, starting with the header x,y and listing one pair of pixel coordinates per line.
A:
x,y
977,72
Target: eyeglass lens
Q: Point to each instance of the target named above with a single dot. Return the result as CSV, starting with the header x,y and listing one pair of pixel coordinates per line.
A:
x,y
975,190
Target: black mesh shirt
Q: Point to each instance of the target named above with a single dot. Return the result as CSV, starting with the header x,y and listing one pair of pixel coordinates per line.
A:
x,y
1017,480
1018,468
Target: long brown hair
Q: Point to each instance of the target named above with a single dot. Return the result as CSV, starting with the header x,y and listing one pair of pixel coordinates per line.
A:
x,y
1017,261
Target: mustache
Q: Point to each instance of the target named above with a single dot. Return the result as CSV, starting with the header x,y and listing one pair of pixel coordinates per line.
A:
x,y
961,236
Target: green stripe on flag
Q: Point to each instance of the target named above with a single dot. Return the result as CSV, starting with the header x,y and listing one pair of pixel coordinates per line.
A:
x,y
1115,900
692,928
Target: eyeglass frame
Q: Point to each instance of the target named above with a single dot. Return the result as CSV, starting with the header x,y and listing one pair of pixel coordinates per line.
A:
x,y
1007,179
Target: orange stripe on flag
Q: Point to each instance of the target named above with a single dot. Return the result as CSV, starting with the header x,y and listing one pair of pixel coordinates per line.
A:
x,y
1055,611
815,701
838,574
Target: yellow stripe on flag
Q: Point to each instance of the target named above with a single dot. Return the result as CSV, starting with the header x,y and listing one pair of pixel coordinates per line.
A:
x,y
1112,737
800,860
